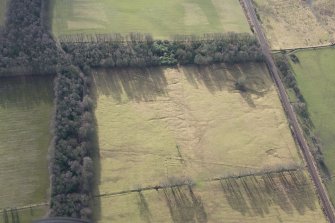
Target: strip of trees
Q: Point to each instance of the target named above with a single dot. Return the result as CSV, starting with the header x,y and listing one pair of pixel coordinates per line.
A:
x,y
71,164
142,51
300,107
25,45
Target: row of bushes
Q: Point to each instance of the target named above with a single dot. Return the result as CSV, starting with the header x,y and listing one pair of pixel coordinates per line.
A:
x,y
71,164
229,48
24,41
300,106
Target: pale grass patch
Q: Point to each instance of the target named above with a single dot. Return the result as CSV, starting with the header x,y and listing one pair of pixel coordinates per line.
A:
x,y
187,122
194,15
291,24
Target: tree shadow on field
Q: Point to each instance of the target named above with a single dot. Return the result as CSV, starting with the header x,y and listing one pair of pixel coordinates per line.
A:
x,y
96,204
219,77
141,84
213,77
254,196
26,91
184,205
144,208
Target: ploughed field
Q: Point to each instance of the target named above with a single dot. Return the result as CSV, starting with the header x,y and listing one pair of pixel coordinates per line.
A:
x,y
161,18
316,78
292,24
166,126
25,113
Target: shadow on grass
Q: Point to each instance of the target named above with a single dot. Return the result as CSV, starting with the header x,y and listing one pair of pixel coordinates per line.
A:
x,y
96,204
255,195
220,77
184,205
146,84
26,91
144,208
137,84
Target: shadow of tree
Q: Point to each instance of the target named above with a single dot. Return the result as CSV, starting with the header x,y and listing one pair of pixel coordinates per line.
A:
x,y
255,195
184,205
218,77
26,91
146,84
144,208
137,84
96,161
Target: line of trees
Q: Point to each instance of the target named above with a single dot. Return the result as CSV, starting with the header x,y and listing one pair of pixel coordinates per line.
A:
x,y
25,43
142,51
300,107
71,164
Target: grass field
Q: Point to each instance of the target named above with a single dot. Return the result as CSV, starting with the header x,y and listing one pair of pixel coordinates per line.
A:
x,y
161,18
186,123
291,24
3,4
272,198
25,215
25,114
316,77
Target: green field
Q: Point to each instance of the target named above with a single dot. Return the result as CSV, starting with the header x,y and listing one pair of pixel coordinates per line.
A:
x,y
25,113
316,78
187,123
161,18
3,4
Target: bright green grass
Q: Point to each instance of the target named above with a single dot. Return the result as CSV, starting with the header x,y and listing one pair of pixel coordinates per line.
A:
x,y
161,18
316,80
3,4
25,113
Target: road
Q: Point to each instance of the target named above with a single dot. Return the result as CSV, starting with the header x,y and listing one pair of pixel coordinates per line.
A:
x,y
312,167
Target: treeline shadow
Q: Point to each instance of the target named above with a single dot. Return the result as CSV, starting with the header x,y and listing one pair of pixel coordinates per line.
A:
x,y
26,91
144,208
184,205
141,84
255,195
220,77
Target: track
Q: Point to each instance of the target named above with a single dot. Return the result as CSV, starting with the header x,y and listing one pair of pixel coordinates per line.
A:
x,y
326,204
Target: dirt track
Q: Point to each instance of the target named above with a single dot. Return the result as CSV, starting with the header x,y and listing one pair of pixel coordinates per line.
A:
x,y
326,204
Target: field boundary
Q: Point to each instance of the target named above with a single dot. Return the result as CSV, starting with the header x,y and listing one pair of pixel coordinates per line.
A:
x,y
29,206
138,37
188,182
291,50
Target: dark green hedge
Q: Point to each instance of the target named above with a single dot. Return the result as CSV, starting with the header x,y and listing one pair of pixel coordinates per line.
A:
x,y
227,48
71,157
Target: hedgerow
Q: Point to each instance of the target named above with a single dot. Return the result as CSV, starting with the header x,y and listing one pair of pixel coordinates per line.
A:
x,y
71,155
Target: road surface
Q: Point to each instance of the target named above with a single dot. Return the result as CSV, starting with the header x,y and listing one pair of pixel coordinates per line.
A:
x,y
312,167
